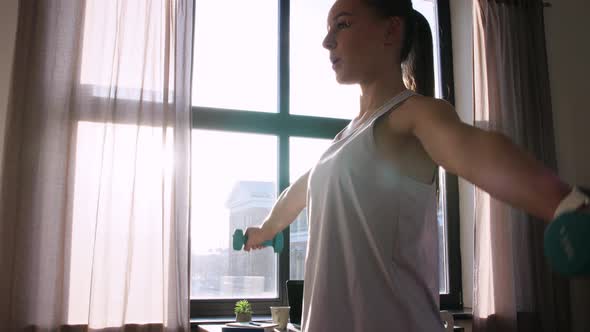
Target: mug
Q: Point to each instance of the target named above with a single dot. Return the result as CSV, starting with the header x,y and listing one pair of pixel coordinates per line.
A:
x,y
448,320
280,316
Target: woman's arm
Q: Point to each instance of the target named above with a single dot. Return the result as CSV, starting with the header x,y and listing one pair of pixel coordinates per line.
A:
x,y
487,159
287,207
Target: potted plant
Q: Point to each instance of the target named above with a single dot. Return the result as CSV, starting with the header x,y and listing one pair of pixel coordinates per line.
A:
x,y
243,311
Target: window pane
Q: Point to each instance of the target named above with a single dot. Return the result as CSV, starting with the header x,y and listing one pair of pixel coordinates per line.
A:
x,y
126,35
235,55
309,63
123,176
233,186
304,153
314,90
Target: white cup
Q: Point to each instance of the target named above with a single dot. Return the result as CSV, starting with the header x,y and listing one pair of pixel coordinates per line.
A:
x,y
280,316
448,320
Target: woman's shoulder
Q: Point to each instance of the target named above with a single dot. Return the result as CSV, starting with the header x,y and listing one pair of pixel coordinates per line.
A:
x,y
419,108
427,109
419,102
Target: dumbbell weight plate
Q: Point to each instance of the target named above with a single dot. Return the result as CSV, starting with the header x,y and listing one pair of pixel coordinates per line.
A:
x,y
567,244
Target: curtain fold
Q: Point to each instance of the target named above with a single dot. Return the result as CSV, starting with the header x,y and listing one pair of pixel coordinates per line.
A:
x,y
94,204
514,289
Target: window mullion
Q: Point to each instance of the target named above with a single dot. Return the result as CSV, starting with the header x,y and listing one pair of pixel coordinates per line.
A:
x,y
453,300
283,53
283,153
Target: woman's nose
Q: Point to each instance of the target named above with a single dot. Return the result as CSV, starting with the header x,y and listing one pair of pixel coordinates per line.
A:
x,y
329,42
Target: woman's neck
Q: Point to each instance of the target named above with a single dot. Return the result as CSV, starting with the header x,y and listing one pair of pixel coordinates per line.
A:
x,y
378,91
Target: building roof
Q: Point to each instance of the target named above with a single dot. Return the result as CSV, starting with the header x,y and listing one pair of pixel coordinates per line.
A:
x,y
254,193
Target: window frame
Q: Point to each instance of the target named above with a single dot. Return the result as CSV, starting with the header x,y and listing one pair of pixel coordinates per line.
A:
x,y
285,125
453,300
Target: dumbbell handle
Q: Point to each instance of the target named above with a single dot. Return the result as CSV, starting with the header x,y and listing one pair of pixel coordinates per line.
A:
x,y
267,243
240,239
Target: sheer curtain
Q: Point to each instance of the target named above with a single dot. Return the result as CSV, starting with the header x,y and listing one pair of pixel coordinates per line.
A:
x,y
94,205
514,290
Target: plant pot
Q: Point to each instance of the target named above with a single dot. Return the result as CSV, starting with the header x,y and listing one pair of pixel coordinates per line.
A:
x,y
243,317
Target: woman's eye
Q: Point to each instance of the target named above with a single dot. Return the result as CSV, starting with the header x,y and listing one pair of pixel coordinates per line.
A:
x,y
343,25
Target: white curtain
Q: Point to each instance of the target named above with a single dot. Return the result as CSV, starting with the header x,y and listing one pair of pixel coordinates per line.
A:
x,y
95,199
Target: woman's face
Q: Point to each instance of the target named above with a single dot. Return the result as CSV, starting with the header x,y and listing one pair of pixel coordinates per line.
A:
x,y
357,40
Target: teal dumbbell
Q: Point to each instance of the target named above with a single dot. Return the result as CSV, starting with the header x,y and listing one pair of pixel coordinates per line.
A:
x,y
240,239
567,244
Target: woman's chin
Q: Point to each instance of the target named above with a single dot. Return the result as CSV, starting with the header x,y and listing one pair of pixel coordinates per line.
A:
x,y
343,79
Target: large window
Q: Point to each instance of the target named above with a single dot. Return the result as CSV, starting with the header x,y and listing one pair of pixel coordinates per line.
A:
x,y
265,106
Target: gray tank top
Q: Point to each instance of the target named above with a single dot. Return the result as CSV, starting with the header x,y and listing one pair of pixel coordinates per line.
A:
x,y
372,253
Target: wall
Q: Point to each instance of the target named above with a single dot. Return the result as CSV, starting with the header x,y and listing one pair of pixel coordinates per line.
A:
x,y
8,15
568,50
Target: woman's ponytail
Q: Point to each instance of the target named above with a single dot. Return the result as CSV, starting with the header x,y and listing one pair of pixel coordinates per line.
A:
x,y
416,51
417,55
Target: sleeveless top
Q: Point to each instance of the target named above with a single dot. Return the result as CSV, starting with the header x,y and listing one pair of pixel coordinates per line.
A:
x,y
372,253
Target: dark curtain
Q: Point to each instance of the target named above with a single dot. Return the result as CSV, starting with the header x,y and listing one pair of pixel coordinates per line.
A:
x,y
514,289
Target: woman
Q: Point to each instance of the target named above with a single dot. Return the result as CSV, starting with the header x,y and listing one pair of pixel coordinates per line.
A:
x,y
372,260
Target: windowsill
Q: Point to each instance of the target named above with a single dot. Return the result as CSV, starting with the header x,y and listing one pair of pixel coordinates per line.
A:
x,y
225,319
465,314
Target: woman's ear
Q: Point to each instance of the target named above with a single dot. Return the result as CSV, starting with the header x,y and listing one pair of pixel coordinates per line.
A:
x,y
393,31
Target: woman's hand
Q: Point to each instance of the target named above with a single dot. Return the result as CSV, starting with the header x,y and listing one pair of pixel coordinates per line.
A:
x,y
256,235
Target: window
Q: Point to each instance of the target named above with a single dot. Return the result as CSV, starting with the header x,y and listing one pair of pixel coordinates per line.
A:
x,y
258,124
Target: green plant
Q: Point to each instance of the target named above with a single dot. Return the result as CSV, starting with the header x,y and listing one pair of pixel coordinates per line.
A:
x,y
243,307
